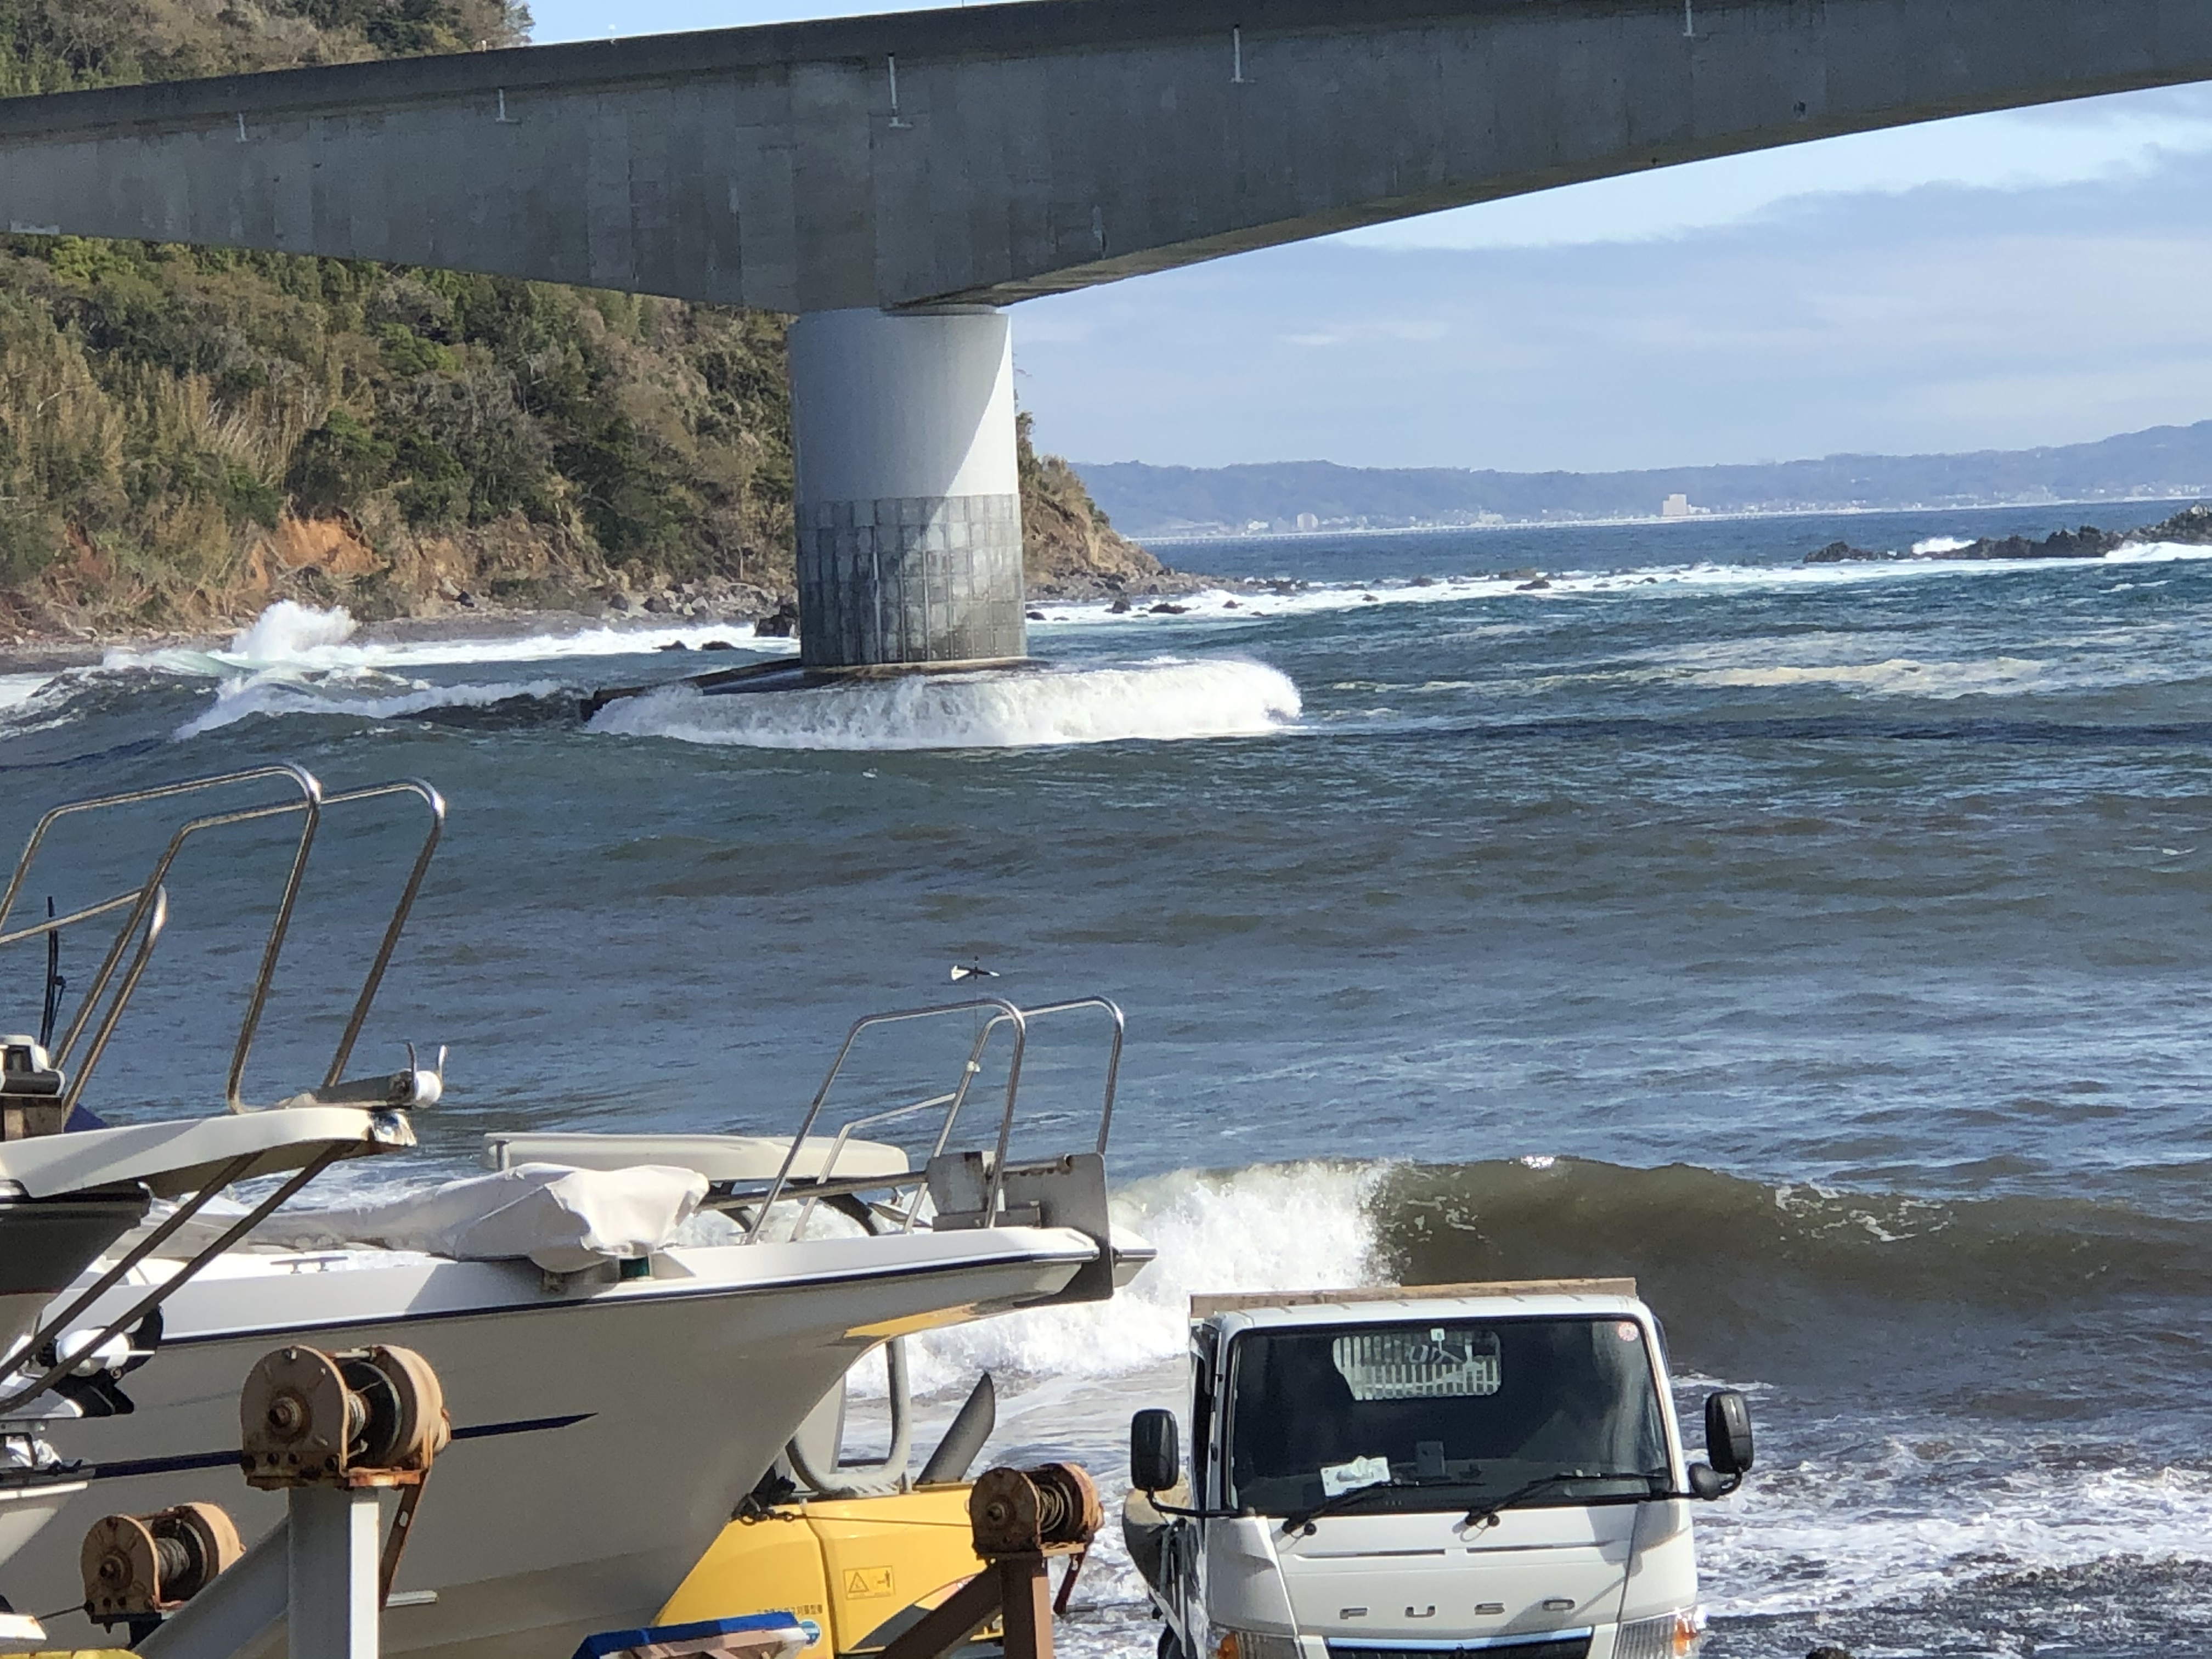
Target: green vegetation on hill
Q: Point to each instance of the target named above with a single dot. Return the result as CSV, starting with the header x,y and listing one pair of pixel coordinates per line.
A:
x,y
186,433
168,413
56,45
1068,546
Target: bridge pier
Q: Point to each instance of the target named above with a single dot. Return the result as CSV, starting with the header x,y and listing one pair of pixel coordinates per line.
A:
x,y
907,499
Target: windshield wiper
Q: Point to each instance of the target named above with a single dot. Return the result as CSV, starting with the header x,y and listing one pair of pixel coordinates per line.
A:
x,y
1303,1520
1487,1514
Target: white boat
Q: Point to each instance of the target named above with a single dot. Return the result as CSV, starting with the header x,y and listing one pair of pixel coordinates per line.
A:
x,y
65,1200
612,1410
72,1188
606,1422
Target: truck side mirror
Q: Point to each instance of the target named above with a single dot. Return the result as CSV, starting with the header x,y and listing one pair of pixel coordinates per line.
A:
x,y
1729,1446
1155,1457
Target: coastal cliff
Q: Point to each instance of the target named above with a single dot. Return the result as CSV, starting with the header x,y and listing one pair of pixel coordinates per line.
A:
x,y
1069,549
188,434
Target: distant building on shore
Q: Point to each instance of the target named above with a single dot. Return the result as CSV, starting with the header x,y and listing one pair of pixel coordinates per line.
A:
x,y
1676,505
1309,521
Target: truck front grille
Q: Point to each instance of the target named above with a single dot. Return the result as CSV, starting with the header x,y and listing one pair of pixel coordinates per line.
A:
x,y
1573,1645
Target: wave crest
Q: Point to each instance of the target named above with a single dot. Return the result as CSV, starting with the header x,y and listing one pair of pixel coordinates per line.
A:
x,y
369,695
1744,1273
987,709
288,631
1274,1227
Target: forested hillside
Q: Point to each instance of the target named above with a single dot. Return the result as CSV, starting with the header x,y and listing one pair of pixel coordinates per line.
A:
x,y
186,433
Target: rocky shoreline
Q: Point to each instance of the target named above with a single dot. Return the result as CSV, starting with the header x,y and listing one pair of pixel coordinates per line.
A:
x,y
2190,527
745,610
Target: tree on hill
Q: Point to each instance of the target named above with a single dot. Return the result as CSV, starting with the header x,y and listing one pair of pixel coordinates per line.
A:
x,y
186,433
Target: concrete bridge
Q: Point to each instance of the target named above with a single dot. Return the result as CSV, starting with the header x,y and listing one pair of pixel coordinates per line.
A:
x,y
896,179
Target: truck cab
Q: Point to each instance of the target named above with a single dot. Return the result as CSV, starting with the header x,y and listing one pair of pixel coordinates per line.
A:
x,y
1402,1473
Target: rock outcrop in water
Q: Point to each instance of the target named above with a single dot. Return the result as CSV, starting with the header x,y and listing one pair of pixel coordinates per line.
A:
x,y
2192,526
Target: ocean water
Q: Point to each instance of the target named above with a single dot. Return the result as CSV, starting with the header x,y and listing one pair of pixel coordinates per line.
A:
x,y
1825,946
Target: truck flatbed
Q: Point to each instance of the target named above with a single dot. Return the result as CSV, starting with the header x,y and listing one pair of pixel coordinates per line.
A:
x,y
1205,1307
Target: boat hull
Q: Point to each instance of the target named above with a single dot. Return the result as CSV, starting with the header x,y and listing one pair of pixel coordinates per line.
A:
x,y
602,1434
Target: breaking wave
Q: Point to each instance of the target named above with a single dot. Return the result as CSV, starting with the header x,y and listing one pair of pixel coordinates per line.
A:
x,y
19,689
988,709
288,631
374,697
298,637
1274,1227
1837,1537
1212,609
1729,1253
1736,1266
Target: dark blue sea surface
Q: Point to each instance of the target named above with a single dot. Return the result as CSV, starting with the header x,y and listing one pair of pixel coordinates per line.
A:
x,y
1827,946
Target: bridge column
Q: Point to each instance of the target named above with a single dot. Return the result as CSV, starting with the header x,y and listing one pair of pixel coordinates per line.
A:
x,y
907,503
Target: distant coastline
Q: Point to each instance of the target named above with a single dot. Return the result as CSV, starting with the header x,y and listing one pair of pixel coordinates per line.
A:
x,y
1650,519
1182,504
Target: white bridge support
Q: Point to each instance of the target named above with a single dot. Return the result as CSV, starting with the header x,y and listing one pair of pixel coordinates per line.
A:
x,y
908,503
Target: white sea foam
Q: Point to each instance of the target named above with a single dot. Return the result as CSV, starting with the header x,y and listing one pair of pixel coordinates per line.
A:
x,y
1214,609
360,695
1273,1227
990,709
287,635
1822,1532
1901,677
17,688
1921,548
288,632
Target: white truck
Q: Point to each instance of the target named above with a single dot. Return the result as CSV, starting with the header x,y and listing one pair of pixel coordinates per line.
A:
x,y
1491,1470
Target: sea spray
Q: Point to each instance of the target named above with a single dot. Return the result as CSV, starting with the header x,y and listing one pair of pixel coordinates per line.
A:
x,y
1274,1227
1162,700
288,631
289,634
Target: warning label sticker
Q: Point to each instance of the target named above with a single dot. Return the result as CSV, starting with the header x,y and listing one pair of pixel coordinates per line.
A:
x,y
861,1583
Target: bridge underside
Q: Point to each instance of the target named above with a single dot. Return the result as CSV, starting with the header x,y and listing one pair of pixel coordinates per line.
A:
x,y
968,158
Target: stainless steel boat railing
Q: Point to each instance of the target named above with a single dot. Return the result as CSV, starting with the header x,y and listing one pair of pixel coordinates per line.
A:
x,y
147,906
996,1013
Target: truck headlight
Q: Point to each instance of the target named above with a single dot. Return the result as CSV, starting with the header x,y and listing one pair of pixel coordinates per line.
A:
x,y
1227,1642
1676,1635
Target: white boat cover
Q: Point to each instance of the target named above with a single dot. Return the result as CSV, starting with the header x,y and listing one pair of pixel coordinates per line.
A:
x,y
718,1157
564,1220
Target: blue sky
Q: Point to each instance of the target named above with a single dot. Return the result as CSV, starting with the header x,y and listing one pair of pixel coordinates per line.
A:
x,y
1995,282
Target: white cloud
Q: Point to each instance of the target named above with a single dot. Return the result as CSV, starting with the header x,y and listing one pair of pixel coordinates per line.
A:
x,y
1936,320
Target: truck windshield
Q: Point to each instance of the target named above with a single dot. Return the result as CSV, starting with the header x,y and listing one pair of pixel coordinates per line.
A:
x,y
1444,1414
